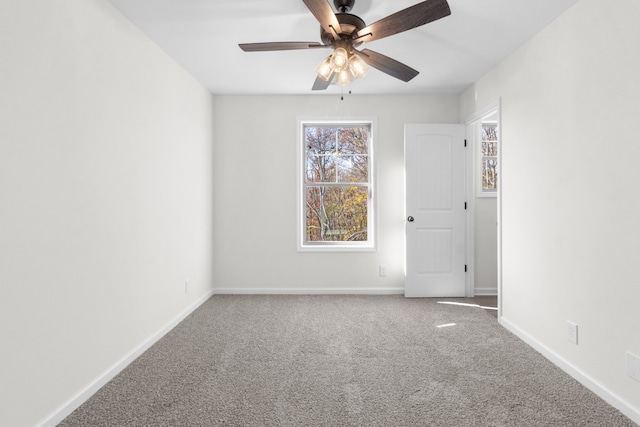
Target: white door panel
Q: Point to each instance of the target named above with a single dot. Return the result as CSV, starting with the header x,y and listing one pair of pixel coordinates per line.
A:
x,y
435,209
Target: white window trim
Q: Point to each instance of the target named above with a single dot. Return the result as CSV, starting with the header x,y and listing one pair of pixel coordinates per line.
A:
x,y
371,244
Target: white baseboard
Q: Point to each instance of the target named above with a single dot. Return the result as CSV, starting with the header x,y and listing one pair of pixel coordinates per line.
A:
x,y
82,396
485,292
605,394
309,291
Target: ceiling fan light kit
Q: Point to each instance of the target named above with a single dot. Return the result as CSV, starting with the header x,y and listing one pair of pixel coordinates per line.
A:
x,y
342,67
344,33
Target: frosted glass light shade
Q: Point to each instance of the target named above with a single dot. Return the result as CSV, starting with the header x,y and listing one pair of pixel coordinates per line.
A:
x,y
358,67
325,69
340,58
343,78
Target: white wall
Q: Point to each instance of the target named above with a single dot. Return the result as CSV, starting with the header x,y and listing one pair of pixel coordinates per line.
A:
x,y
486,246
255,190
571,241
105,197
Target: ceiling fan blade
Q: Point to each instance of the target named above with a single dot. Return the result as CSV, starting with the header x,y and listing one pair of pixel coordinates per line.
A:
x,y
321,84
406,19
263,47
325,16
387,65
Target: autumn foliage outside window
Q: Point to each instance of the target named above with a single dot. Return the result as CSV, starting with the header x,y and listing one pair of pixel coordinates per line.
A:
x,y
337,184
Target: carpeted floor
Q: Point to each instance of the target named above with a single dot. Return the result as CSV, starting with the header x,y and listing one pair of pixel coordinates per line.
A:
x,y
342,361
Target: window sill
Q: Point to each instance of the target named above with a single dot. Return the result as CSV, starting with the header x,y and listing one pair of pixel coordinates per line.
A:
x,y
337,248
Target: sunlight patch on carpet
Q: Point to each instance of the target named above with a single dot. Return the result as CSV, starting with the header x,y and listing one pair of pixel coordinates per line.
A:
x,y
446,325
463,304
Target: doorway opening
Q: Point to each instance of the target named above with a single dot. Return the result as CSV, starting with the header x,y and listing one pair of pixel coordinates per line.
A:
x,y
484,185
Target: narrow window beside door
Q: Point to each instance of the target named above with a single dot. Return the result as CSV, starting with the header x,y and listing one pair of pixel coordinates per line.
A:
x,y
489,159
336,188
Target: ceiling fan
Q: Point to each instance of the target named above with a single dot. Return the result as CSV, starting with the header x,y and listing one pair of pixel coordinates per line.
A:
x,y
344,32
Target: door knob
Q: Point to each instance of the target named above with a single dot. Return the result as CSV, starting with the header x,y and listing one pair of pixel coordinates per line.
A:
x,y
410,219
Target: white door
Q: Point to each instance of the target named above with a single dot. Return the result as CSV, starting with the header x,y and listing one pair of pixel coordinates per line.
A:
x,y
435,210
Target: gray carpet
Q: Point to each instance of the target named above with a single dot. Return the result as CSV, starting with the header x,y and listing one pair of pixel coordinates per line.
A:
x,y
342,361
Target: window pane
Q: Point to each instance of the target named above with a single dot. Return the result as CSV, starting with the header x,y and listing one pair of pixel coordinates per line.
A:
x,y
321,168
489,174
489,148
353,168
320,140
489,141
336,214
353,140
489,133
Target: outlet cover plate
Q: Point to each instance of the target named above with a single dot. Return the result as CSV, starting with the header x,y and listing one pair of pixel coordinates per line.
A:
x,y
383,271
572,332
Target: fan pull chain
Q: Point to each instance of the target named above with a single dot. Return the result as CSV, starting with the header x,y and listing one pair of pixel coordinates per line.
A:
x,y
342,93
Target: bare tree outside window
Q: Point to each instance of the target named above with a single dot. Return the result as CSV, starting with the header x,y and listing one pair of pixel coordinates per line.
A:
x,y
337,182
489,161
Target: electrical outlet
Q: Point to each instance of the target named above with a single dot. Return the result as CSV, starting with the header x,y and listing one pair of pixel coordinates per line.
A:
x,y
186,287
633,366
383,271
572,332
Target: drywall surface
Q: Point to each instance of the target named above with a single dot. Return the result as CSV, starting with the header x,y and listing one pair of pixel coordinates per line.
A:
x,y
571,240
105,197
486,245
255,191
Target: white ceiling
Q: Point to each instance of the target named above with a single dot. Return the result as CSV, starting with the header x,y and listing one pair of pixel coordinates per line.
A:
x,y
451,53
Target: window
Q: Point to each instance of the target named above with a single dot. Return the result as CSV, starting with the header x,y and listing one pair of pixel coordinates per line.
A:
x,y
336,186
489,159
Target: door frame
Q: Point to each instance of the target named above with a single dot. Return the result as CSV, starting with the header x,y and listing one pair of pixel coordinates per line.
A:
x,y
493,107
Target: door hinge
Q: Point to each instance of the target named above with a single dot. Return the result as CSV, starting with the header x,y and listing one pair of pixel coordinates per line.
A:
x,y
465,206
465,142
465,268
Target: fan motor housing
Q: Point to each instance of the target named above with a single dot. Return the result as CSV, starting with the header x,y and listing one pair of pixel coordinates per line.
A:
x,y
349,26
344,5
